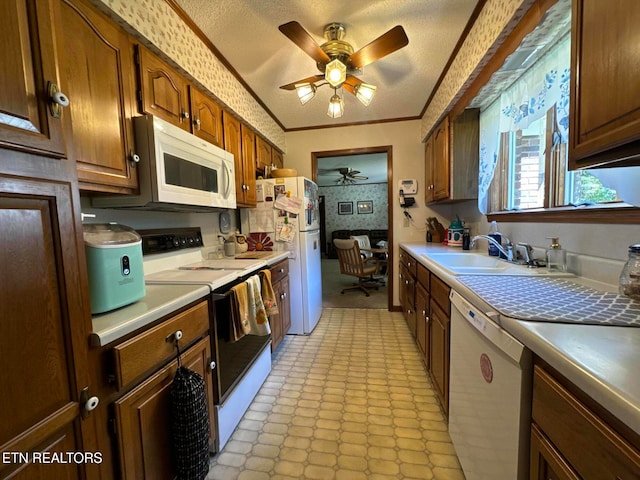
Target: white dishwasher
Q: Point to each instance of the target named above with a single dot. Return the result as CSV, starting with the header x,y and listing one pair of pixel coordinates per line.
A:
x,y
489,396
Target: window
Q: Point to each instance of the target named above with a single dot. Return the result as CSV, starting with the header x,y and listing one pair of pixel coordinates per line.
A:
x,y
523,146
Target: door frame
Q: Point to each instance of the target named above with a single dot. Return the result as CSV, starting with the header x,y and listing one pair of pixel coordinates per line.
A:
x,y
388,149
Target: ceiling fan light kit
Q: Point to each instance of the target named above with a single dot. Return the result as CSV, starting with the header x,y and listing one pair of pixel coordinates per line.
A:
x,y
338,62
336,106
305,91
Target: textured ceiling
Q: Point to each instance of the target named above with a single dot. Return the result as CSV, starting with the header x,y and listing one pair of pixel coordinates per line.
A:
x,y
246,34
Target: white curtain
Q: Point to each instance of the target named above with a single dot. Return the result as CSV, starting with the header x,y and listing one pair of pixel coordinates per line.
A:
x,y
546,83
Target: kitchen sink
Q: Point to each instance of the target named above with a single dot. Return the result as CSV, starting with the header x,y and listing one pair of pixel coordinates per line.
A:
x,y
470,263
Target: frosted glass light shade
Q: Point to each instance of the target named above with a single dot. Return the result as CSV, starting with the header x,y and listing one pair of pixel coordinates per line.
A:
x,y
335,73
336,107
305,91
365,93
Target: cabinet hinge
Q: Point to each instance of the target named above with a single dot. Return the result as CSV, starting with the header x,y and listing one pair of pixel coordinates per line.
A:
x,y
139,95
113,429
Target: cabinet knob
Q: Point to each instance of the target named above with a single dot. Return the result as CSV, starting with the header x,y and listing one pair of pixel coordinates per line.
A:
x,y
91,404
406,282
212,365
281,270
427,319
196,122
88,404
185,115
135,158
58,100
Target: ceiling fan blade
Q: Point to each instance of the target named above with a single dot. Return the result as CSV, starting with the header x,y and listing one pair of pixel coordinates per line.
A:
x,y
359,177
298,35
393,40
351,83
292,86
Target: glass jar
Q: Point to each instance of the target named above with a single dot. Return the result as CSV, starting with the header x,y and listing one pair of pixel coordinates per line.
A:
x,y
630,275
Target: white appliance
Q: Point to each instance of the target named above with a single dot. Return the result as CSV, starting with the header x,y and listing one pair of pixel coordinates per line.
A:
x,y
489,396
243,365
177,170
292,203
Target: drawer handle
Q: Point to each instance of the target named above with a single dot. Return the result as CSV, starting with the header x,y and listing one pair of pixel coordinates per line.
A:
x,y
174,337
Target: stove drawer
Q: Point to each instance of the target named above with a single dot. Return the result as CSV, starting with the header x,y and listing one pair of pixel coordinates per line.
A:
x,y
151,349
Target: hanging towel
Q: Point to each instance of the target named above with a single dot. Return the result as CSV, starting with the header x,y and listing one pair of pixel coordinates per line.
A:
x,y
240,325
268,296
258,320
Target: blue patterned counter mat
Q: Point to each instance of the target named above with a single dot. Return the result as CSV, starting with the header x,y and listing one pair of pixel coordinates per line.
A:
x,y
557,300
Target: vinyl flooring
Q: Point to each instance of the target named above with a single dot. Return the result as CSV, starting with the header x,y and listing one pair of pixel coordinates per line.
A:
x,y
351,401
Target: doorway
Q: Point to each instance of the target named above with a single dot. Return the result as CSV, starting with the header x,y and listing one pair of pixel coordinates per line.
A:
x,y
360,207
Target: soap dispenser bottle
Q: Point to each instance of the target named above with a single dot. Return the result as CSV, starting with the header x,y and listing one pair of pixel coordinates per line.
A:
x,y
556,256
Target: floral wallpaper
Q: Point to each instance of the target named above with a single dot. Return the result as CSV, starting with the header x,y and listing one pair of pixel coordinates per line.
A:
x,y
155,23
495,22
375,193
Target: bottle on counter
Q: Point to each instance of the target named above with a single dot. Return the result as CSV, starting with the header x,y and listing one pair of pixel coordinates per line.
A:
x,y
466,238
556,256
630,275
493,233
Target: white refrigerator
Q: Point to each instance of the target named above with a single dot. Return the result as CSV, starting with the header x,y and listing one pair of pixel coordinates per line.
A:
x,y
287,218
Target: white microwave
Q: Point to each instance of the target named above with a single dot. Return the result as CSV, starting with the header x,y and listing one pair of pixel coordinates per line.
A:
x,y
177,171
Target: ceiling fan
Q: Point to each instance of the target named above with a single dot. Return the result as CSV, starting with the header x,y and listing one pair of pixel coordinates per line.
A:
x,y
339,63
349,176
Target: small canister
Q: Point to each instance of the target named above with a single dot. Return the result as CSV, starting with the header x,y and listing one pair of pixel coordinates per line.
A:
x,y
455,232
230,247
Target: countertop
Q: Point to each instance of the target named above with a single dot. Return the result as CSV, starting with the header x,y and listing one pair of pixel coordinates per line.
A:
x,y
160,300
601,360
166,297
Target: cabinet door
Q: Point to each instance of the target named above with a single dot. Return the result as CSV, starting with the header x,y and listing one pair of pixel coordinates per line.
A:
x,y
97,65
28,60
276,158
143,419
441,161
546,462
45,326
439,354
604,59
428,170
249,164
263,153
206,117
285,305
233,145
275,321
422,321
164,91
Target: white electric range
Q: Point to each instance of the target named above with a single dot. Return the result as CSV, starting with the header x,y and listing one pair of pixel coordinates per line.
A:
x,y
178,257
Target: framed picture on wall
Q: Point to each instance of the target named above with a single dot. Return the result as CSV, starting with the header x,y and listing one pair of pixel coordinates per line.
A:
x,y
365,206
345,208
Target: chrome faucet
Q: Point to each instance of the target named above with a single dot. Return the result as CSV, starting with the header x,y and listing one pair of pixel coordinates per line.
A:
x,y
527,250
507,252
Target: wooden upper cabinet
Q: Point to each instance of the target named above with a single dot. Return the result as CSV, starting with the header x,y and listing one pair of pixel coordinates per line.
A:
x,y
428,173
97,66
263,153
249,163
451,159
206,117
441,161
234,142
164,91
276,158
28,59
605,92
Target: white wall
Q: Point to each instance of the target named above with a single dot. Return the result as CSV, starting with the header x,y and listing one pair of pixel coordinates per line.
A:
x,y
408,162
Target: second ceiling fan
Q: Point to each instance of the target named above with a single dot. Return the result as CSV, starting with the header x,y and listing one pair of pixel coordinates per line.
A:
x,y
339,63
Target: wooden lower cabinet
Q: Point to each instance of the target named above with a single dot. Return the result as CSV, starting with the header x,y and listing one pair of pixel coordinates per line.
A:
x,y
439,353
572,440
546,463
422,322
281,322
143,418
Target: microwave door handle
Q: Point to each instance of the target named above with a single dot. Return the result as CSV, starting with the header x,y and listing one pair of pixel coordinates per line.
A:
x,y
228,174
